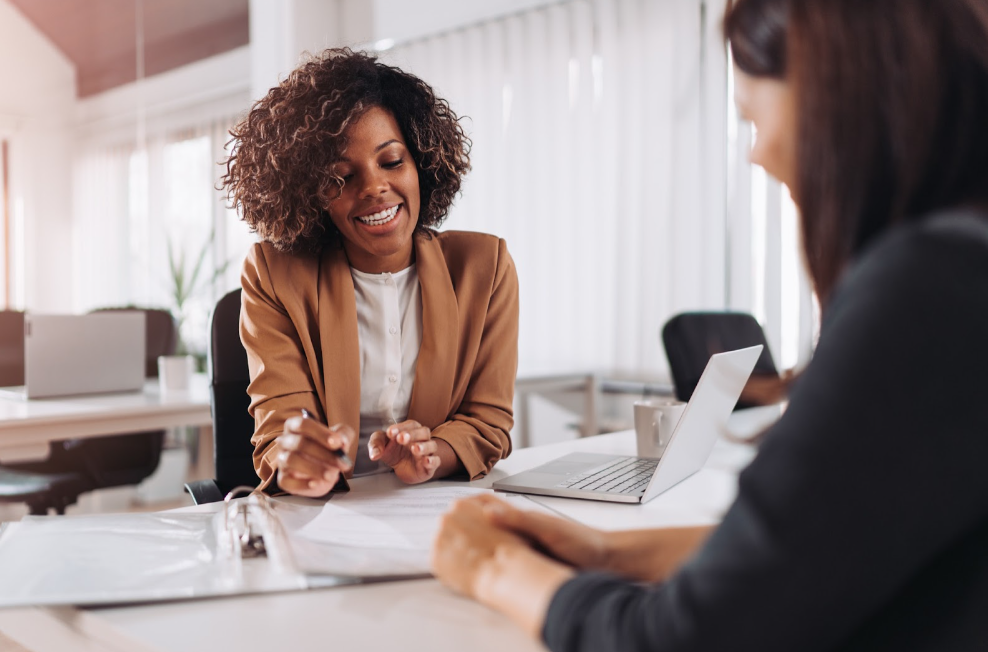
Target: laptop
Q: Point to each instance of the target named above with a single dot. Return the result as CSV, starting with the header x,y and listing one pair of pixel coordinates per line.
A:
x,y
69,355
623,479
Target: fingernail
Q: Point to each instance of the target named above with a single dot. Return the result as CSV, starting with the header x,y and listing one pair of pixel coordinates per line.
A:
x,y
289,441
417,448
393,430
405,438
374,452
294,423
313,484
330,475
282,457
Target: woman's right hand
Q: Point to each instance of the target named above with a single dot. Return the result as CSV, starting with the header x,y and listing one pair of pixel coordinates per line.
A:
x,y
307,465
569,542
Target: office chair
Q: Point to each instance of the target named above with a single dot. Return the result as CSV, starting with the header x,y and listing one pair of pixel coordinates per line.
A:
x,y
120,460
690,338
77,466
232,424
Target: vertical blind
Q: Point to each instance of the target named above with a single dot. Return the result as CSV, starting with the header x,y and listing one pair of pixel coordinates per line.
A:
x,y
142,212
599,156
605,151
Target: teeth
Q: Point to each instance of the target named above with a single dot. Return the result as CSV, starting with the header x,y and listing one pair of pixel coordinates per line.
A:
x,y
380,218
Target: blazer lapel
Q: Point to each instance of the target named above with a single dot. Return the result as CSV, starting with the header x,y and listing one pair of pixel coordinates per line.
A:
x,y
339,342
436,365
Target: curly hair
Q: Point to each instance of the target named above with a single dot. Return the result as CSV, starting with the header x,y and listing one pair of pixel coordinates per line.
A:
x,y
279,176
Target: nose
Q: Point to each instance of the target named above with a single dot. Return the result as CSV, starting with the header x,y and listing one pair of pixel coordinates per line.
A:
x,y
374,183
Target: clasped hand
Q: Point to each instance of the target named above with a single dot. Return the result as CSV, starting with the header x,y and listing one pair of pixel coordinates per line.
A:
x,y
408,448
477,531
309,464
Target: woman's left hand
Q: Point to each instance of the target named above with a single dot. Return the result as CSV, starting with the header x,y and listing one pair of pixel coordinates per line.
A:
x,y
409,449
475,557
467,544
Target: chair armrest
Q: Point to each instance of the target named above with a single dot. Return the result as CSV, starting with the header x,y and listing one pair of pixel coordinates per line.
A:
x,y
204,491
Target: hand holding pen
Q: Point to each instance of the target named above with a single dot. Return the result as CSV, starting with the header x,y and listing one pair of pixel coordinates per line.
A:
x,y
311,456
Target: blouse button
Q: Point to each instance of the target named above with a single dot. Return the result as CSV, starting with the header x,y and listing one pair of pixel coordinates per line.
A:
x,y
393,330
393,378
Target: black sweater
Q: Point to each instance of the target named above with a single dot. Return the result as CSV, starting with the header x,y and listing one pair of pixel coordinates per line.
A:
x,y
862,524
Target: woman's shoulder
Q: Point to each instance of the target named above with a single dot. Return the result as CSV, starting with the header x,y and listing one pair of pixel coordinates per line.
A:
x,y
473,258
936,263
265,259
944,234
473,241
936,246
472,250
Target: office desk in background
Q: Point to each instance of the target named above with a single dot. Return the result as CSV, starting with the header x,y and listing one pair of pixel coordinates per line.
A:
x,y
28,426
411,616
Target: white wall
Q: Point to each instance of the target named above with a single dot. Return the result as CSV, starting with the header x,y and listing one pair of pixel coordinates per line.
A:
x,y
37,93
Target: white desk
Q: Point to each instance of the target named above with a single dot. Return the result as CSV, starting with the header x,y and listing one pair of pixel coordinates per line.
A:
x,y
27,426
410,616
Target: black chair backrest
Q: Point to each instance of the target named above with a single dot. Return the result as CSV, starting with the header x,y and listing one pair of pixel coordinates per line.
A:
x,y
232,424
690,338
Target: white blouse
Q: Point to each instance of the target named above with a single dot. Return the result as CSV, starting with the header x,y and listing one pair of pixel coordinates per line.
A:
x,y
389,329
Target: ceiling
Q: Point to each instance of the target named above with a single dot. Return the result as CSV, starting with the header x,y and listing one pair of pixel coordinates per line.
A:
x,y
100,36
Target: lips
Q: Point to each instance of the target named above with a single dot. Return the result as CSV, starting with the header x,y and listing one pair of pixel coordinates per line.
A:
x,y
381,217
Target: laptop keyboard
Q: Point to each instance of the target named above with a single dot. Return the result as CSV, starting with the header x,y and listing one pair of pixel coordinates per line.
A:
x,y
627,475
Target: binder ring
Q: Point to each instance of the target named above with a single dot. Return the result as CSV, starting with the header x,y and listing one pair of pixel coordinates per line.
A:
x,y
251,544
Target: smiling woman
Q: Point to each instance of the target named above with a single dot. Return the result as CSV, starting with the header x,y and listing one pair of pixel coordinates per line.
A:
x,y
401,340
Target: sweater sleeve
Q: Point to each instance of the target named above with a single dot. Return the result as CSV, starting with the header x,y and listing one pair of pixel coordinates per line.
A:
x,y
874,471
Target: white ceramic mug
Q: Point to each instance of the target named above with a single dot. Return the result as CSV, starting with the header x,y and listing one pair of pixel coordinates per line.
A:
x,y
655,421
175,372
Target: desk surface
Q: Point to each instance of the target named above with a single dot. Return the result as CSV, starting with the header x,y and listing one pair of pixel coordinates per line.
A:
x,y
27,426
408,616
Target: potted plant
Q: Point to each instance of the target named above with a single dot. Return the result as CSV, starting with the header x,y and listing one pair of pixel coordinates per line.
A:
x,y
187,283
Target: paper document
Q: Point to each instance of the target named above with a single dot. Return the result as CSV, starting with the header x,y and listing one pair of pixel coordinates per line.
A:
x,y
372,534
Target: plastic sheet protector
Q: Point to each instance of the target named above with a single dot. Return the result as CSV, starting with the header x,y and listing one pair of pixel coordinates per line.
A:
x,y
252,545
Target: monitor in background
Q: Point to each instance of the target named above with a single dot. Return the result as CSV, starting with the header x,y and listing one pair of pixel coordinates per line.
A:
x,y
69,355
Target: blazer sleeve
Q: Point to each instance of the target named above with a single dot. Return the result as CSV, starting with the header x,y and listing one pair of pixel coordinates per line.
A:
x,y
478,431
276,353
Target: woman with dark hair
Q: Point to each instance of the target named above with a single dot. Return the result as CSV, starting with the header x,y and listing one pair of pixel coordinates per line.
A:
x,y
862,524
398,341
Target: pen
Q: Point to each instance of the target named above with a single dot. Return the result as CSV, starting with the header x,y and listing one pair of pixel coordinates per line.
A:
x,y
338,452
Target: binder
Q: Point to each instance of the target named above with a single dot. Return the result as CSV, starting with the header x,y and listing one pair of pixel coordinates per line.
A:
x,y
108,559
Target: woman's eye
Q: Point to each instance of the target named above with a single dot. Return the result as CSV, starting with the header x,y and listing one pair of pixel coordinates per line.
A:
x,y
391,164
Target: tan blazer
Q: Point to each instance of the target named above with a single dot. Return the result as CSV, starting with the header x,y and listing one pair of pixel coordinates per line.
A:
x,y
299,325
